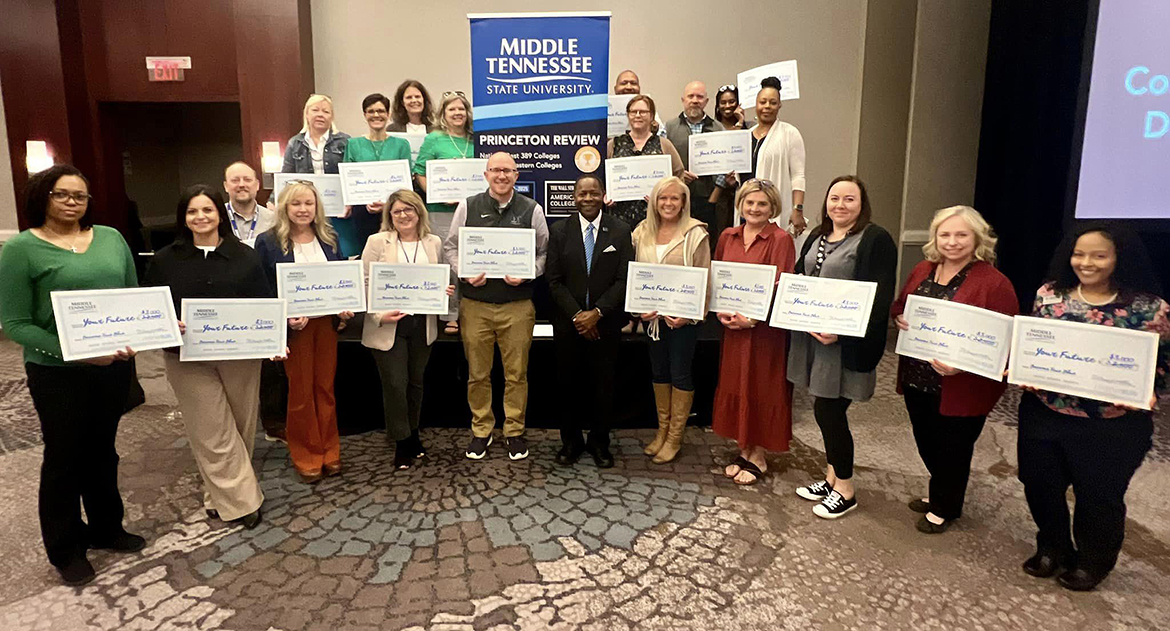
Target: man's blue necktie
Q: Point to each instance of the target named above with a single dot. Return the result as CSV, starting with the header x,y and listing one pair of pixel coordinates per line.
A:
x,y
588,256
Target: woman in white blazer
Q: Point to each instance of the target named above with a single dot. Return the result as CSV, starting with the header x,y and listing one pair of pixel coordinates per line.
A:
x,y
401,343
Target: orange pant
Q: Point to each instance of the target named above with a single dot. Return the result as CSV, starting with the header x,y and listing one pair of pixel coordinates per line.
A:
x,y
312,410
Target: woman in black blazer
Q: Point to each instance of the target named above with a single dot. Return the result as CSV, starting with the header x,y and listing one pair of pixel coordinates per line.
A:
x,y
220,400
302,235
840,370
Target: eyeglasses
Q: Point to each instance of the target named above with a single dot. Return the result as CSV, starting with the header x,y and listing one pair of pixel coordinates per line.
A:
x,y
502,171
402,212
376,111
60,196
638,112
761,182
454,93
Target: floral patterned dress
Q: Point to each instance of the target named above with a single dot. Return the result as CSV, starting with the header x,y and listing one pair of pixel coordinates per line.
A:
x,y
634,211
1142,312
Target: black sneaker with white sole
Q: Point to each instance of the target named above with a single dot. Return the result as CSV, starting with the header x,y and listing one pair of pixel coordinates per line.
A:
x,y
816,491
834,506
478,447
517,447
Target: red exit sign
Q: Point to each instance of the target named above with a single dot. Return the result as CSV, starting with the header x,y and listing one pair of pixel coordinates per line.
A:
x,y
166,68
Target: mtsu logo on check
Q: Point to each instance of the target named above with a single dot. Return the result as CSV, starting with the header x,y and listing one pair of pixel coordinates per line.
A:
x,y
645,275
82,307
205,313
1039,335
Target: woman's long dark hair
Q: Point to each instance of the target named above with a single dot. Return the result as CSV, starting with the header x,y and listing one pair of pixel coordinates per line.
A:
x,y
863,219
36,194
183,233
1134,272
398,110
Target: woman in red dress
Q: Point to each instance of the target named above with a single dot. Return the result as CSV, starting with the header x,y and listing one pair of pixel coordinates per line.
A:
x,y
753,403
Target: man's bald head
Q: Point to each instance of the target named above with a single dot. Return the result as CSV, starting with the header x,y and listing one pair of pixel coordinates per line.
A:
x,y
627,83
694,101
501,175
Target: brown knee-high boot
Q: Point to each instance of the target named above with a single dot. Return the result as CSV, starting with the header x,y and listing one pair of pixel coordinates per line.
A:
x,y
662,402
680,410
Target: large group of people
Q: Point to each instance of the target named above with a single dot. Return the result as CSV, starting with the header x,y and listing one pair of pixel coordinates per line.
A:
x,y
1100,275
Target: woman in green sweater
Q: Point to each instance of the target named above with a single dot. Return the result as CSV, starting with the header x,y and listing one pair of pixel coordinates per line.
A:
x,y
79,403
451,141
376,146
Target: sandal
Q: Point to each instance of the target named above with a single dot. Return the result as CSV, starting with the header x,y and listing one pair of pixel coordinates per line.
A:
x,y
750,468
452,328
740,462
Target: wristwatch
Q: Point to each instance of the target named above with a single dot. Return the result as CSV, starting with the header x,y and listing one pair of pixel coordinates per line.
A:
x,y
800,207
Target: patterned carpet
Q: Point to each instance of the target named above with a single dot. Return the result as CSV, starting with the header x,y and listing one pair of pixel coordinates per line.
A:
x,y
496,545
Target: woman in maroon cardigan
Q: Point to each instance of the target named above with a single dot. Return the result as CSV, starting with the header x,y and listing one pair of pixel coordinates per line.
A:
x,y
947,406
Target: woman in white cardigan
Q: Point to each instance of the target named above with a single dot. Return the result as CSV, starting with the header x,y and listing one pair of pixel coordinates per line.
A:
x,y
400,342
778,156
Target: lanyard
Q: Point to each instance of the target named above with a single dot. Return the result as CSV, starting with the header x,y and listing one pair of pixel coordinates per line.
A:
x,y
405,256
236,228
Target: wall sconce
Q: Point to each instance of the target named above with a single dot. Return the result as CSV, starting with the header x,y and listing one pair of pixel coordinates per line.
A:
x,y
37,156
271,161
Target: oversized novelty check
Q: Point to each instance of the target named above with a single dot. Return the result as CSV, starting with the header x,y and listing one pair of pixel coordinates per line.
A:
x,y
785,71
719,152
742,288
367,182
1085,360
414,289
317,289
414,140
233,328
99,322
497,252
617,122
823,305
455,180
678,291
958,335
630,179
327,185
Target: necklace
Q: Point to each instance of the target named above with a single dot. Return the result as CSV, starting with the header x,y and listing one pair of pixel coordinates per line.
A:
x,y
1095,304
72,247
463,151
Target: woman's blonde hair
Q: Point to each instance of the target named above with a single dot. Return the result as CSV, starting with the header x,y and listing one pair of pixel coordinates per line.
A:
x,y
415,202
759,186
441,113
652,220
283,226
984,236
313,100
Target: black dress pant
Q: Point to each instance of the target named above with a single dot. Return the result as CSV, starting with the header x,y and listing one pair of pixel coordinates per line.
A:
x,y
945,444
834,423
1097,457
79,408
586,369
401,369
273,396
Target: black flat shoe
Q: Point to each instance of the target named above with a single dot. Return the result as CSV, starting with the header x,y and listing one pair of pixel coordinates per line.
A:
x,y
251,520
568,456
1042,565
404,454
212,513
931,528
1080,580
601,457
77,572
121,542
919,506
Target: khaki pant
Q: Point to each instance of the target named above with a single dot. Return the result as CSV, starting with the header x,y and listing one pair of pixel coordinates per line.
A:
x,y
483,325
220,401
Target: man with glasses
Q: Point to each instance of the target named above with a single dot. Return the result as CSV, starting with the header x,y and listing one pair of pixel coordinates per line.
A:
x,y
694,120
497,311
248,218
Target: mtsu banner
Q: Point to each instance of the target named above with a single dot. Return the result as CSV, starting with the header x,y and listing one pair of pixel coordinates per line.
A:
x,y
539,91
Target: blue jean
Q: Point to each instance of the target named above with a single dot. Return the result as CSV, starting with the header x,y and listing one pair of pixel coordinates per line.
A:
x,y
673,355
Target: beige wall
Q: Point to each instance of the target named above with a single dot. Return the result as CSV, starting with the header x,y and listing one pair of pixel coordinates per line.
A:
x,y
885,106
364,46
950,59
8,224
